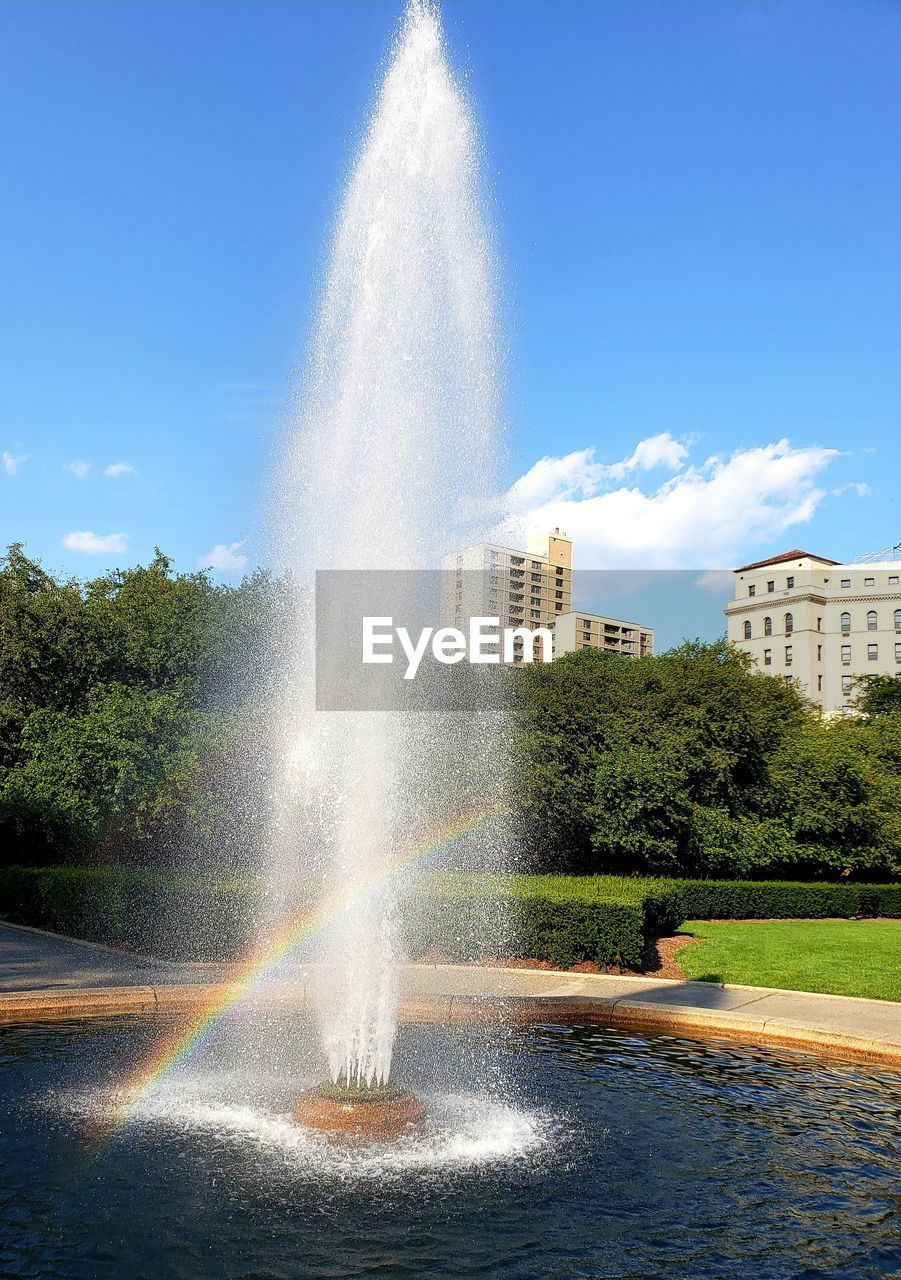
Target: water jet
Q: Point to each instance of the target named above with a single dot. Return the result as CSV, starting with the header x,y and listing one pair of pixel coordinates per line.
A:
x,y
391,462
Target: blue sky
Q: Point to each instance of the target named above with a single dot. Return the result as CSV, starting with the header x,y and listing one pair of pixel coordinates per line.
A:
x,y
698,210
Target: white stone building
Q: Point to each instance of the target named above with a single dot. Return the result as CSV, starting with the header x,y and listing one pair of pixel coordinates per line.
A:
x,y
820,624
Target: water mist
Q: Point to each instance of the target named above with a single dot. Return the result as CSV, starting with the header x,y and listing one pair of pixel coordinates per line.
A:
x,y
391,463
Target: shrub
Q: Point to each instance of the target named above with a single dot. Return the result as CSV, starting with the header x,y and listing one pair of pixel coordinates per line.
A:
x,y
157,913
784,900
563,919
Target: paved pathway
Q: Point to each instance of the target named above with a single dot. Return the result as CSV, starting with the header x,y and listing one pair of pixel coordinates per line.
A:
x,y
54,970
31,960
657,1002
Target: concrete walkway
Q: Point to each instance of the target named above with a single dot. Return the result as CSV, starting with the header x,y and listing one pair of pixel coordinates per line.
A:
x,y
32,960
44,975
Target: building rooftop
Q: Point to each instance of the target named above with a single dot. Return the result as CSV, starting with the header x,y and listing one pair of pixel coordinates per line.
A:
x,y
786,555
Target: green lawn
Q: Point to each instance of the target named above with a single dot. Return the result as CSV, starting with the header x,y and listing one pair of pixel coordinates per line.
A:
x,y
841,957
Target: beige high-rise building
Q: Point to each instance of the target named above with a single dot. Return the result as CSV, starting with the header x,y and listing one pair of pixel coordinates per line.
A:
x,y
819,624
533,588
523,588
579,630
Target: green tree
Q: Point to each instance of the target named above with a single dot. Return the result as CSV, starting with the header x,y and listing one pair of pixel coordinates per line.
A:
x,y
659,745
131,712
879,696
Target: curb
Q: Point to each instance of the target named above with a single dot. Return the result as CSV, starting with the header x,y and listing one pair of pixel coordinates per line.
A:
x,y
55,1005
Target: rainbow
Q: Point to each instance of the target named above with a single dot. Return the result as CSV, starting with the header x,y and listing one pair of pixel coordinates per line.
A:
x,y
264,960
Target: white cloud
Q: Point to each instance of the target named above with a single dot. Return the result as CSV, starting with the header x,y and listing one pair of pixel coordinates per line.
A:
x,y
116,470
716,580
78,468
862,490
704,516
224,557
13,461
577,473
656,451
95,544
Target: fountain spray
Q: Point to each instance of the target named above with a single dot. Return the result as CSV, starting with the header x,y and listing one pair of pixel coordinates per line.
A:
x,y
391,463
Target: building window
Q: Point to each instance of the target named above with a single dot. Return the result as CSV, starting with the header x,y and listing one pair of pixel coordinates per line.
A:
x,y
898,652
819,684
846,582
536,564
789,583
747,630
752,591
846,623
847,682
898,619
768,626
788,655
893,580
846,653
535,613
869,582
771,586
789,624
558,607
767,657
871,621
819,653
872,652
819,624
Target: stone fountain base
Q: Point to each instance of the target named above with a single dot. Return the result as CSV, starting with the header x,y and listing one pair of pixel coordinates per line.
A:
x,y
361,1114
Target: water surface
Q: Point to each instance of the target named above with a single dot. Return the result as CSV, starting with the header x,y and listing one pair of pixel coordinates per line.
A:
x,y
590,1153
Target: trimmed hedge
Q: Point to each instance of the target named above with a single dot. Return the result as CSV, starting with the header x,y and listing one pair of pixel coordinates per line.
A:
x,y
785,900
609,920
563,919
157,913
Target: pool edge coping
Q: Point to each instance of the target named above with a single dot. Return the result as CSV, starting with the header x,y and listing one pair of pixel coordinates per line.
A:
x,y
617,1011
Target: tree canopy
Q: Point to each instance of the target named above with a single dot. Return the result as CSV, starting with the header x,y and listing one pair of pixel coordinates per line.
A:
x,y
134,714
129,707
690,762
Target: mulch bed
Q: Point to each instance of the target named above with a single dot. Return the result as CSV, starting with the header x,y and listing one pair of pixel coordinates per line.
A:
x,y
661,962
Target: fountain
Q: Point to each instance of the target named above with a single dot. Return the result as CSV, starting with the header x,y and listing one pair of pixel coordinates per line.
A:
x,y
368,1113
621,1153
391,463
